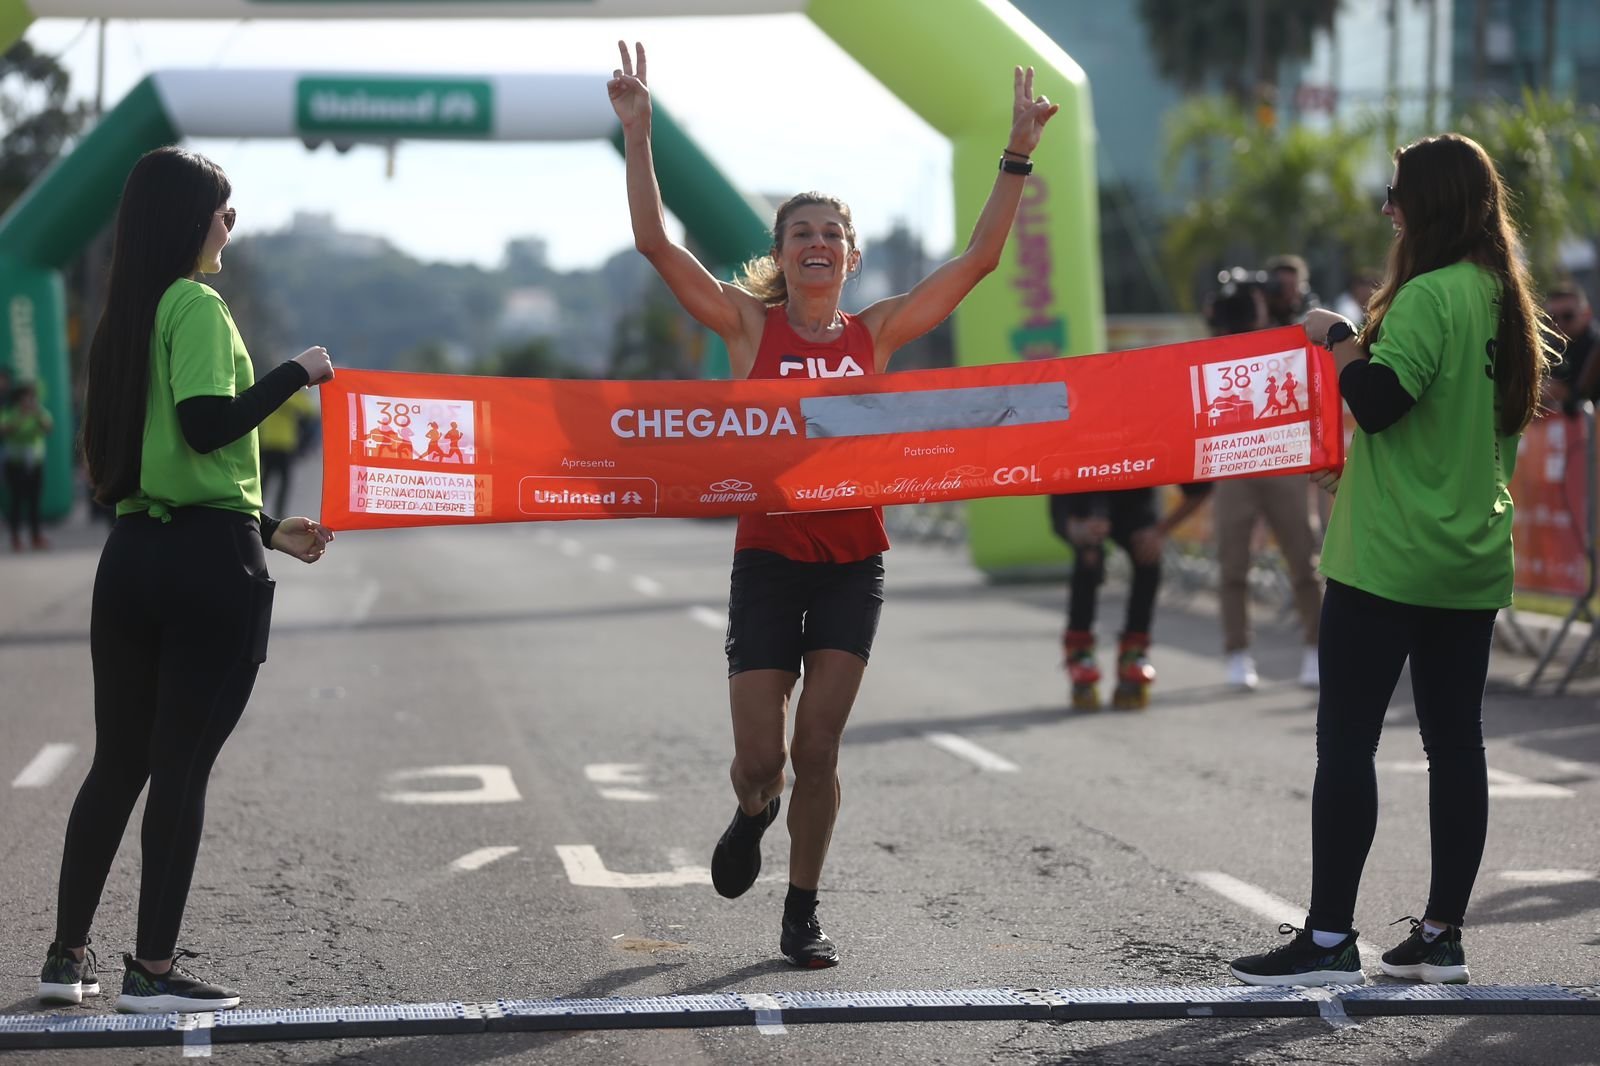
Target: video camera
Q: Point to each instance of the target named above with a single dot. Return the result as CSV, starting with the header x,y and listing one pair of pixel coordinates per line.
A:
x,y
1238,305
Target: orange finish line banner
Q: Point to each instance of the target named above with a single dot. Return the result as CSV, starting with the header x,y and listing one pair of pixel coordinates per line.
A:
x,y
433,449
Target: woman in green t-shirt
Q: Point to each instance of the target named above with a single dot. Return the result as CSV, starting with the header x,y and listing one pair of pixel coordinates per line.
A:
x,y
24,427
1441,380
182,599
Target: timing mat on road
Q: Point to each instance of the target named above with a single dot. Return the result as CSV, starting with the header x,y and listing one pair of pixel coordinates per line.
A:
x,y
1335,1003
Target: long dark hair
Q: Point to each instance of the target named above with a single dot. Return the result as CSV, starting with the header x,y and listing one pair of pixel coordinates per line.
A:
x,y
1454,207
762,276
162,223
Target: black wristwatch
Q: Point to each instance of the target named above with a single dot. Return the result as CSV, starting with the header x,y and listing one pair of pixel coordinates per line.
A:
x,y
1339,331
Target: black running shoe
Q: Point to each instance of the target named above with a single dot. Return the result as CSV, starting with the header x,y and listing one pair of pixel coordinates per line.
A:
x,y
144,992
1439,961
736,862
805,944
65,979
1302,962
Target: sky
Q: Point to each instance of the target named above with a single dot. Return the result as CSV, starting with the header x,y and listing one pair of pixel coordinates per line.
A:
x,y
771,99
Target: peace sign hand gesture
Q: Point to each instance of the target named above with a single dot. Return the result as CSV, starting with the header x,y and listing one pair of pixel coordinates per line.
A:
x,y
630,97
1029,113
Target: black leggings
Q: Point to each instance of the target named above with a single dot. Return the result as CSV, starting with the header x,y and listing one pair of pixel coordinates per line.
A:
x,y
177,631
1129,511
24,483
1365,642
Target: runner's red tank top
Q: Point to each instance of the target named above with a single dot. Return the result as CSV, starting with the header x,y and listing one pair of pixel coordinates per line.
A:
x,y
814,536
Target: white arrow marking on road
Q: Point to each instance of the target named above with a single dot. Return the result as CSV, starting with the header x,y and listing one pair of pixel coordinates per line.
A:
x,y
645,586
707,617
1502,785
963,748
44,767
1550,877
475,860
1272,908
623,774
494,785
586,869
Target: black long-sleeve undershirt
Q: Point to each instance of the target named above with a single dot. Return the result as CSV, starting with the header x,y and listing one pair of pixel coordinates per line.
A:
x,y
1374,395
209,422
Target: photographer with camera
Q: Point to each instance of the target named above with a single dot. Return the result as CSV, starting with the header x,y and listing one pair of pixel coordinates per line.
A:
x,y
1240,305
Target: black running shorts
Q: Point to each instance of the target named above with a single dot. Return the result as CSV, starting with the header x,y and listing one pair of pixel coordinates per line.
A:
x,y
779,609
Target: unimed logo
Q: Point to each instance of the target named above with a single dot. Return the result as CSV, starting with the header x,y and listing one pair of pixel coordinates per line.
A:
x,y
390,106
595,497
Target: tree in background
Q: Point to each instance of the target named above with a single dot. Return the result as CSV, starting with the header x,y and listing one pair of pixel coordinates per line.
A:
x,y
37,119
1548,152
652,342
533,358
1237,43
1291,189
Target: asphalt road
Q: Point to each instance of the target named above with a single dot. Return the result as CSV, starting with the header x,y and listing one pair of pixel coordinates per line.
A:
x,y
564,684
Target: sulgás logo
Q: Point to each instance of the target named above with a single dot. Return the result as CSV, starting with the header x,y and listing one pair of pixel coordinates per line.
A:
x,y
844,490
729,490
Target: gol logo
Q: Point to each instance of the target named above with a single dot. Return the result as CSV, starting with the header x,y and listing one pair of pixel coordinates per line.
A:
x,y
1017,475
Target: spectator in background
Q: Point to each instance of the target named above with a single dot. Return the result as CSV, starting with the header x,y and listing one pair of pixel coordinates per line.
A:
x,y
1352,303
280,435
24,427
1289,294
1577,377
1239,307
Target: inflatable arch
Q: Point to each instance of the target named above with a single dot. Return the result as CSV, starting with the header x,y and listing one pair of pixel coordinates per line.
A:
x,y
946,66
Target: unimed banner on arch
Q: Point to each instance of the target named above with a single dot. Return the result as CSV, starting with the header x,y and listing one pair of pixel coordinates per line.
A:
x,y
430,449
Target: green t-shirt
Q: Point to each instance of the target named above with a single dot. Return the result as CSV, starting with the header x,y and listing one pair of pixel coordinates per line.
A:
x,y
1423,511
23,435
195,350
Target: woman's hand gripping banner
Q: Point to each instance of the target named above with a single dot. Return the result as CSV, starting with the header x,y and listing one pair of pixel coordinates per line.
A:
x,y
432,449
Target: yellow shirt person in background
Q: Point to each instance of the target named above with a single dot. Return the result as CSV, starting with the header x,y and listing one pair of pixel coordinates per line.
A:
x,y
279,436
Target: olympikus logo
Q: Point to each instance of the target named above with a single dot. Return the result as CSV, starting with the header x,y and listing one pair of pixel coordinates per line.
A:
x,y
815,367
631,422
730,490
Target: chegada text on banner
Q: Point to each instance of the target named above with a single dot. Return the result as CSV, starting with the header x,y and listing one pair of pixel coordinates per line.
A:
x,y
432,449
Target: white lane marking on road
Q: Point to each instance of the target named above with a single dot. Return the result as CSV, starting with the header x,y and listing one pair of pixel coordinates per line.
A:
x,y
44,767
1272,908
477,860
603,563
494,785
1502,784
707,617
646,586
619,781
364,601
586,869
769,1013
1550,877
570,547
963,748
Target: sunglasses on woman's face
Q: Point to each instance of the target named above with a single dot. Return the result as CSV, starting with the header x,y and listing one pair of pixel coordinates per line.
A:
x,y
229,217
1388,198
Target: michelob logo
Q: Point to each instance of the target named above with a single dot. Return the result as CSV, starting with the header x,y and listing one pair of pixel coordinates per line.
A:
x,y
394,106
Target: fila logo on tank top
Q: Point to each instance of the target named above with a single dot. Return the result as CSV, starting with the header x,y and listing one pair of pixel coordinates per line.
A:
x,y
815,366
786,354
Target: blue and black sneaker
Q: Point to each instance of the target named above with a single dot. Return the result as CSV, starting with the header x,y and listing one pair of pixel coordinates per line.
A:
x,y
144,992
736,860
1302,962
1439,961
66,979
